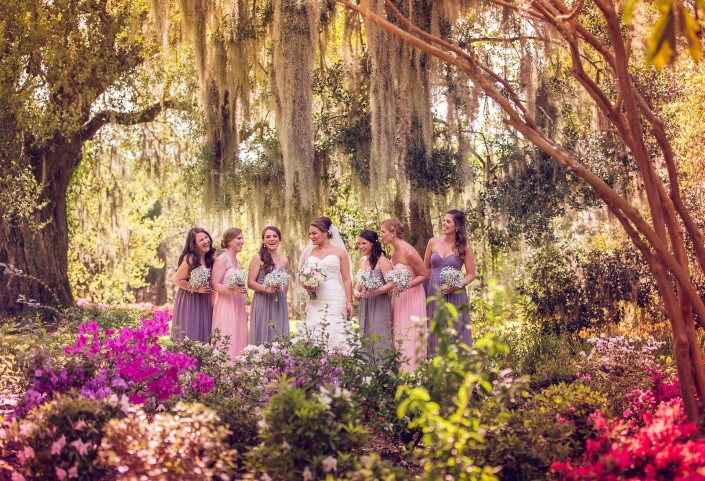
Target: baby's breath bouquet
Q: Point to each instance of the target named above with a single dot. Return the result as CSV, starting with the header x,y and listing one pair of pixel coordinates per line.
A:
x,y
277,278
451,277
368,280
400,277
198,278
237,278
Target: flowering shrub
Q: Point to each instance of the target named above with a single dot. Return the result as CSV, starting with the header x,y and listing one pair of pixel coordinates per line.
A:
x,y
59,440
618,365
105,362
551,425
663,448
185,444
307,435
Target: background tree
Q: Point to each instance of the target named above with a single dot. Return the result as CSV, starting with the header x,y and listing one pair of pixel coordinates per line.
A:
x,y
69,68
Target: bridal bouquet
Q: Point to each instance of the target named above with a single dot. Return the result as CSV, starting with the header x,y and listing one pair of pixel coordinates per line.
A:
x,y
451,277
368,280
237,278
277,278
199,277
311,276
400,277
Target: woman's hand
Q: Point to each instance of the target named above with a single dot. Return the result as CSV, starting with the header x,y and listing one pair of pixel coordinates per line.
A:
x,y
204,289
238,290
451,289
310,289
271,289
357,295
367,293
350,309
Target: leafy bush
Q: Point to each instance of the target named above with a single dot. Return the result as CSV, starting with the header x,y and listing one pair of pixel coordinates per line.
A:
x,y
546,357
466,394
241,420
552,425
186,443
618,365
59,440
307,435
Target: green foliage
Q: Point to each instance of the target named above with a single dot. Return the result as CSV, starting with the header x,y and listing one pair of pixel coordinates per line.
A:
x,y
307,434
466,393
188,442
63,436
240,419
570,290
546,357
553,425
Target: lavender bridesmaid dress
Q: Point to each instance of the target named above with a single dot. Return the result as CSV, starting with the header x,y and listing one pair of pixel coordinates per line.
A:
x,y
375,314
193,315
458,298
268,318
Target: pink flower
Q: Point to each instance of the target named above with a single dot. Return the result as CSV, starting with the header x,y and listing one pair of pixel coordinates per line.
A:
x,y
73,472
58,445
25,454
60,473
80,446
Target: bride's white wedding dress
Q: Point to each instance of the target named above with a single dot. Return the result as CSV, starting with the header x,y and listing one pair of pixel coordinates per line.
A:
x,y
326,315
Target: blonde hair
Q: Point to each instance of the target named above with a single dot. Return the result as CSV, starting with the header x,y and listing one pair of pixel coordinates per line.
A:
x,y
395,226
229,235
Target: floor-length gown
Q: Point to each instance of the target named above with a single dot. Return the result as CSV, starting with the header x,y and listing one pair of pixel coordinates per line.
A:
x,y
375,314
458,298
193,315
409,313
230,316
326,316
269,315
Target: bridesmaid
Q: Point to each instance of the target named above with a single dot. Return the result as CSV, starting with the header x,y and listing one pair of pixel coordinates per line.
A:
x,y
451,249
265,310
409,306
229,313
375,310
193,310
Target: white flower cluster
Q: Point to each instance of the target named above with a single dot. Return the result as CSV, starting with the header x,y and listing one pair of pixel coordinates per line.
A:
x,y
612,354
199,277
327,394
400,277
368,280
277,278
237,278
450,276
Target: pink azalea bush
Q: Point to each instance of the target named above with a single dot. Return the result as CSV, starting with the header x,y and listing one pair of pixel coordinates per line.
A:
x,y
652,441
129,361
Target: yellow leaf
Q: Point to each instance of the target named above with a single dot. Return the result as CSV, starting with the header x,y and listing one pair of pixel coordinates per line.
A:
x,y
662,41
691,29
628,9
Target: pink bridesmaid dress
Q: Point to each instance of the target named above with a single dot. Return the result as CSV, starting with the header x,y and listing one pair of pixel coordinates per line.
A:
x,y
409,316
230,316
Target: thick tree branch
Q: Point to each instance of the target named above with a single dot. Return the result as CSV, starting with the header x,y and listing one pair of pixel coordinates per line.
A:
x,y
105,117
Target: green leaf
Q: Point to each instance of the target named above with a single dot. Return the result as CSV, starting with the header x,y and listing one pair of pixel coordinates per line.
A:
x,y
660,46
628,9
690,28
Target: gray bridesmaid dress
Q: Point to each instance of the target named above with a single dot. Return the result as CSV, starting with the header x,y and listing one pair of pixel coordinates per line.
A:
x,y
193,316
458,298
375,315
265,311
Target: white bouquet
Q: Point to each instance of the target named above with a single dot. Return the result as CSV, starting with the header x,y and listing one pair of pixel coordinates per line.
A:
x,y
451,277
311,276
278,278
368,280
400,277
237,278
198,278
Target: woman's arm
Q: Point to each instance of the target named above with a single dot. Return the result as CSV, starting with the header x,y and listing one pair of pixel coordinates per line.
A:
x,y
384,266
181,275
219,269
347,282
428,254
252,272
469,262
357,288
417,264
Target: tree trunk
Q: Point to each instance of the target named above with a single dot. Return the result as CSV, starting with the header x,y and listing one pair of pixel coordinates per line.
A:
x,y
42,252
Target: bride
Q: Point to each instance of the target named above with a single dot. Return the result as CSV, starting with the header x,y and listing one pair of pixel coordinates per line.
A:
x,y
327,315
